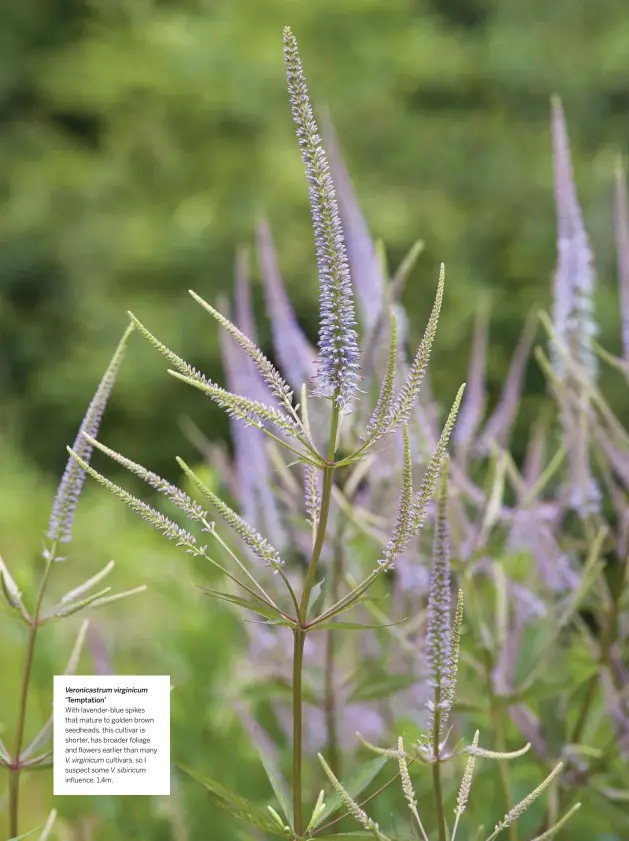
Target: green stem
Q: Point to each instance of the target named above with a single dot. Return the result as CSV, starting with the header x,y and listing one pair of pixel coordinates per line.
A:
x,y
300,635
14,773
298,660
330,701
436,768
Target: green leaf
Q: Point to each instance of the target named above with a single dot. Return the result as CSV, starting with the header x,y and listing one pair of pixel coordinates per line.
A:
x,y
26,834
365,775
276,778
267,611
314,594
353,626
236,806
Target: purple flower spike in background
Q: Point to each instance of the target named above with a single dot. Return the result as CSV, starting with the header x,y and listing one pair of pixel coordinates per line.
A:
x,y
295,354
574,278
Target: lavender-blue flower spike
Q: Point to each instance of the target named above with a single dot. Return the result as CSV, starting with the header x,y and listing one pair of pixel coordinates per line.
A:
x,y
573,316
622,251
338,366
67,497
363,259
295,354
269,518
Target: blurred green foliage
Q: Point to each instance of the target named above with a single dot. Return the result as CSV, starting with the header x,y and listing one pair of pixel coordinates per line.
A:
x,y
141,140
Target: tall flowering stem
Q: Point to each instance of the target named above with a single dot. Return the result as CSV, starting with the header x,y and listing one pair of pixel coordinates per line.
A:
x,y
300,633
59,531
67,497
14,771
338,366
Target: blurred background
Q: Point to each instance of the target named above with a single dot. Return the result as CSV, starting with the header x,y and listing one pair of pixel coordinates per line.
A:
x,y
140,142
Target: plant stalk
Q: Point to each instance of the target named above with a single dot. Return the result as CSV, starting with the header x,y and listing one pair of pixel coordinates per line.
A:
x,y
14,772
298,659
330,699
436,768
300,635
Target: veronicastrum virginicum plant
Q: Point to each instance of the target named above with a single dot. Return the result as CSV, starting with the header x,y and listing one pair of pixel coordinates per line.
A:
x,y
37,754
334,428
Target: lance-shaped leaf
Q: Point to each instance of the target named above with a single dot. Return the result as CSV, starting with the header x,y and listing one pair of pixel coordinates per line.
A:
x,y
318,810
622,254
235,805
338,367
252,538
573,293
67,497
269,758
77,598
260,607
361,251
296,356
97,600
405,401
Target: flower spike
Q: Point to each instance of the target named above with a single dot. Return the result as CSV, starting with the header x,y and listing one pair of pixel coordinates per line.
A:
x,y
64,506
338,367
